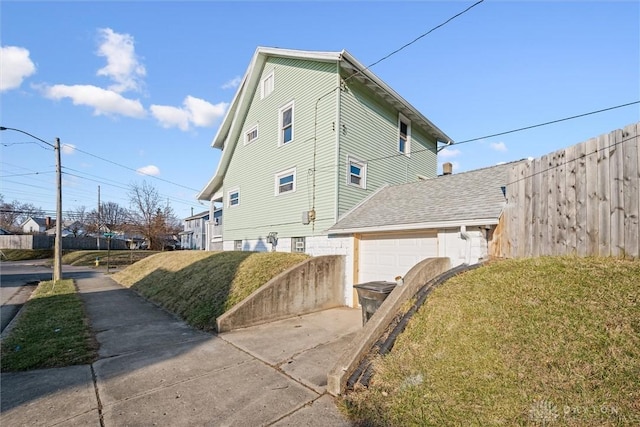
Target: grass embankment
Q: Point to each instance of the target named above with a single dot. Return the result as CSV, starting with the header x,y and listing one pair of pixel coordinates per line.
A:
x,y
552,341
200,286
117,258
51,331
25,254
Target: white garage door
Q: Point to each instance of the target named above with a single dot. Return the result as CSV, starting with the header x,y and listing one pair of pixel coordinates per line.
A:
x,y
385,256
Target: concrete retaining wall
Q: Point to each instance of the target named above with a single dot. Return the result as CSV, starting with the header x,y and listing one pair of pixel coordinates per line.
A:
x,y
316,284
362,343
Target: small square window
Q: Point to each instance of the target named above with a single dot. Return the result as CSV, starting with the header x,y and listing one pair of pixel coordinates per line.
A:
x,y
251,135
237,245
356,174
234,198
267,86
298,244
286,181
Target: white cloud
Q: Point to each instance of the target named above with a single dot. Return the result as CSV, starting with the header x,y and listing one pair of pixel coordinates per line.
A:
x,y
194,112
233,83
501,163
15,66
449,152
104,102
123,66
151,170
498,146
68,148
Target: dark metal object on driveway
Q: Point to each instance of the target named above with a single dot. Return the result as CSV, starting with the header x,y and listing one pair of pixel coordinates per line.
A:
x,y
371,295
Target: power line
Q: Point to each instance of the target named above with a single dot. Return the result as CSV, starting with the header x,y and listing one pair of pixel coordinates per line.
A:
x,y
25,174
420,37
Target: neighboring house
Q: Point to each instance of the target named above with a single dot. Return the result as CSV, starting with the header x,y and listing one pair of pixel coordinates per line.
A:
x,y
307,137
451,216
69,228
4,232
194,234
34,225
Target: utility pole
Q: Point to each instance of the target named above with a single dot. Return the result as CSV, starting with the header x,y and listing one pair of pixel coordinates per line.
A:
x,y
98,237
57,250
57,246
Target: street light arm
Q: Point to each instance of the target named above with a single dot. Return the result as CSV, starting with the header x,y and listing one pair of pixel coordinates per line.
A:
x,y
27,133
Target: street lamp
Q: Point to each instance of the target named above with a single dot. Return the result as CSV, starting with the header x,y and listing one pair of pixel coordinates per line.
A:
x,y
57,249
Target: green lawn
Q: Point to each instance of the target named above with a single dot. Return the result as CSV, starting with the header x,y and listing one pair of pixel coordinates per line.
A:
x,y
116,258
200,286
52,331
25,254
546,341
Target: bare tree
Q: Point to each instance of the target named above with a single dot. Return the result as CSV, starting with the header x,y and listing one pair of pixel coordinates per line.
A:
x,y
15,213
148,216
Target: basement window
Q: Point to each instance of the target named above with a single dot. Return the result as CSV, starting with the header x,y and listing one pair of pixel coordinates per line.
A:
x,y
237,245
298,244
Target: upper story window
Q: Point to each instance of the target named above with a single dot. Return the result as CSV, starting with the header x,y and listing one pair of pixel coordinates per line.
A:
x,y
286,181
357,173
251,135
286,124
267,85
404,135
233,198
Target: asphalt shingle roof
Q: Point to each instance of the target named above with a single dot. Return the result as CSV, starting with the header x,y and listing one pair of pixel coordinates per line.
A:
x,y
464,196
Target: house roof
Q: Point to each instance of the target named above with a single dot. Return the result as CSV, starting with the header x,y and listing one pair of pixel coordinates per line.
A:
x,y
42,222
197,216
468,198
350,68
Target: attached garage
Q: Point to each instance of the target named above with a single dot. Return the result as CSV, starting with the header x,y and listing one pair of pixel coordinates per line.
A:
x,y
385,256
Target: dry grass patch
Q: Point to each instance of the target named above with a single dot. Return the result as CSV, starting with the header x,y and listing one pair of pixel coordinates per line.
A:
x,y
52,331
115,257
546,341
200,286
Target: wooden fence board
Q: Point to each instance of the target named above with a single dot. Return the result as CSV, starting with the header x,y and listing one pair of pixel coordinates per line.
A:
x,y
604,200
570,198
541,211
535,204
552,207
560,246
581,199
591,177
631,188
616,162
527,220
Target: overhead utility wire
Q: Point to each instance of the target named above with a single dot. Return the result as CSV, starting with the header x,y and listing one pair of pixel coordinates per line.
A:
x,y
134,170
419,37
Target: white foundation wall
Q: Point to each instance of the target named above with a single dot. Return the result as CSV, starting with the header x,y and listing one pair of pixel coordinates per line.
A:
x,y
314,246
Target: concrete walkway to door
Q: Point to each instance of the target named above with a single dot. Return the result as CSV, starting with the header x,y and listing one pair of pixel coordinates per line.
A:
x,y
153,369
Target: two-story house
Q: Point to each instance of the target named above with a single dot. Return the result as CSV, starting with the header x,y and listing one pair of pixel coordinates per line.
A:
x,y
307,137
194,234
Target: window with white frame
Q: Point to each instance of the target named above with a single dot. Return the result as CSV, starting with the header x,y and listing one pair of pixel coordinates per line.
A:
x,y
286,181
233,198
267,85
298,244
237,245
251,135
404,135
356,173
286,124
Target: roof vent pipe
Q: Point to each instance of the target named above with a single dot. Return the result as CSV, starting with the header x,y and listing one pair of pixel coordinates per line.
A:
x,y
447,168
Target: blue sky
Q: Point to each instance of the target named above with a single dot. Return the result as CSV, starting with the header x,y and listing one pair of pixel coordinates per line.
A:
x,y
143,86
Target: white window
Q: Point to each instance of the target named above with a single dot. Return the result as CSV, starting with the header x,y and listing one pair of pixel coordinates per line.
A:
x,y
233,198
286,124
237,245
251,135
404,135
356,173
286,181
267,86
297,244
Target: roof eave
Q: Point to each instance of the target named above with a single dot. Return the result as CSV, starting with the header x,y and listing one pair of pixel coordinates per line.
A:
x,y
415,226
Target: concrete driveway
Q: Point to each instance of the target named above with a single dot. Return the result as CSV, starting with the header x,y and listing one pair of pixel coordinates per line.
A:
x,y
154,369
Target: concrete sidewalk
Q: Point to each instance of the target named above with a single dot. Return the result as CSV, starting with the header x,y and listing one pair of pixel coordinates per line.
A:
x,y
154,369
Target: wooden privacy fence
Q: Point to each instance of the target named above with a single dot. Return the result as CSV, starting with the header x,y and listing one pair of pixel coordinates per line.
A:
x,y
583,200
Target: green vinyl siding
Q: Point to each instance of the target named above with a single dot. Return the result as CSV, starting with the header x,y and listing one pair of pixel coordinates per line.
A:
x,y
369,133
253,167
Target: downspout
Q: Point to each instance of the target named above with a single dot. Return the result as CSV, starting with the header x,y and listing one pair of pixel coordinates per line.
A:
x,y
337,131
466,236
